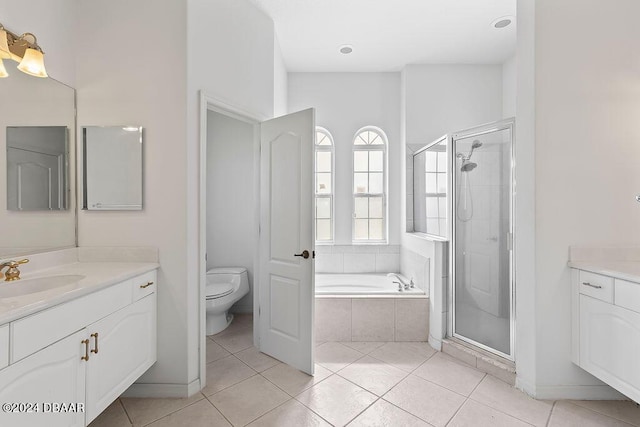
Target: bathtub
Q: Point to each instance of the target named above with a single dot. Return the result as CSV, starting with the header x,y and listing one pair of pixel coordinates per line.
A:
x,y
368,307
360,284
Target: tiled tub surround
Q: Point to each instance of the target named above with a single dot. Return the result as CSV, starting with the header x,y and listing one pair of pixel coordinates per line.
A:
x,y
371,318
357,258
415,266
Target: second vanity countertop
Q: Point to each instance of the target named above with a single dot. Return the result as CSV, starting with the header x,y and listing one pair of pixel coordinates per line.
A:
x,y
625,270
98,275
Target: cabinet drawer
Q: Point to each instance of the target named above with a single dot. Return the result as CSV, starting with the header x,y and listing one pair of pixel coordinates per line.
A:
x,y
627,295
596,286
4,345
144,285
37,331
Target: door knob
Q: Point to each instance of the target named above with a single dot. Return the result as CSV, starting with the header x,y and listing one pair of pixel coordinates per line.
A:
x,y
304,254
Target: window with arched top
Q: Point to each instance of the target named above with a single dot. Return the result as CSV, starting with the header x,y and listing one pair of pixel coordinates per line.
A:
x,y
369,186
324,158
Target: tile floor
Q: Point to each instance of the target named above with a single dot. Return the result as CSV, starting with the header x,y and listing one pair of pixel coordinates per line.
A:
x,y
356,384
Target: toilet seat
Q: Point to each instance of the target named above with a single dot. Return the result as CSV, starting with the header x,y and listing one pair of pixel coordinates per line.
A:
x,y
219,290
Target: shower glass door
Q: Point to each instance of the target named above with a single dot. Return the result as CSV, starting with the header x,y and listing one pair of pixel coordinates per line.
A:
x,y
482,250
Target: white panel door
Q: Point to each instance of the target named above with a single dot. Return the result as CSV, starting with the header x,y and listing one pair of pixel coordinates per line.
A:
x,y
287,287
55,374
123,347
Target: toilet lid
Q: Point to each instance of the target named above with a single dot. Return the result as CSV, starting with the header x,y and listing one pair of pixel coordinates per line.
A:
x,y
218,290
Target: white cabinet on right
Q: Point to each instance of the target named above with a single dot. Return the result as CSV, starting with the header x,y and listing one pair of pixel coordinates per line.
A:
x,y
606,330
123,347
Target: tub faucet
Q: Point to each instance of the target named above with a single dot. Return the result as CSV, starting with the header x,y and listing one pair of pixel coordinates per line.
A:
x,y
401,279
399,286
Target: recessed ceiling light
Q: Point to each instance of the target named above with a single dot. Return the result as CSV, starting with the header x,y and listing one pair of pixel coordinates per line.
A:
x,y
502,22
346,49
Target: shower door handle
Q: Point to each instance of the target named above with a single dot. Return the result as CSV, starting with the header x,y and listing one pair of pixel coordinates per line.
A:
x,y
304,254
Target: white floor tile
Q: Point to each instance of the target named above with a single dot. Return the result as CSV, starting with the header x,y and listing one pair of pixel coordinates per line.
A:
x,y
336,400
430,402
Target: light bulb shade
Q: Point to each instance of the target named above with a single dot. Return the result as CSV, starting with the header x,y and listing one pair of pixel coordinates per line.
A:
x,y
3,71
4,45
33,63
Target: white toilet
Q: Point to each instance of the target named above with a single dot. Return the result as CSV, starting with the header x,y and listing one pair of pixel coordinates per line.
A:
x,y
225,286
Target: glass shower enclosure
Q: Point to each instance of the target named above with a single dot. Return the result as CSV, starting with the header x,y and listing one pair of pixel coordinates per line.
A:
x,y
481,304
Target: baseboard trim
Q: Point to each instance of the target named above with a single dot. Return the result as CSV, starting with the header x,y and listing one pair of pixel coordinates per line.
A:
x,y
574,392
435,343
163,390
578,392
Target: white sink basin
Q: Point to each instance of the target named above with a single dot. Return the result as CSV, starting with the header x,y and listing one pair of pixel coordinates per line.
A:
x,y
38,284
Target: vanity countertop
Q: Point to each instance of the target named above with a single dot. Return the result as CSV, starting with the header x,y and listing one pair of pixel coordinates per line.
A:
x,y
98,275
625,270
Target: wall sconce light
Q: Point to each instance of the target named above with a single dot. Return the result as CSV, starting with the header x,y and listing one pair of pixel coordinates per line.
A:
x,y
23,49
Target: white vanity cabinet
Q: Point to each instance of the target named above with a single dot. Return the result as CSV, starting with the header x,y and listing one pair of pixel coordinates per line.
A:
x,y
109,342
53,374
606,330
125,347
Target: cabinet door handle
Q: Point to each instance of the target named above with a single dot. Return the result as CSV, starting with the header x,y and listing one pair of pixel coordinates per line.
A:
x,y
146,286
593,286
95,337
86,349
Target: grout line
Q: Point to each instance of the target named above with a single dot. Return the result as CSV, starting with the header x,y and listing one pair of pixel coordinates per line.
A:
x,y
404,410
361,412
125,411
177,410
219,411
598,412
551,412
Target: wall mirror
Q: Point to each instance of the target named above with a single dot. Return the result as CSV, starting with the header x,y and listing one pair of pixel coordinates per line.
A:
x,y
37,145
428,189
112,172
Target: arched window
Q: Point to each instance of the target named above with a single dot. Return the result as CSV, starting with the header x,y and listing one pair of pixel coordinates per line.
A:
x,y
324,185
369,186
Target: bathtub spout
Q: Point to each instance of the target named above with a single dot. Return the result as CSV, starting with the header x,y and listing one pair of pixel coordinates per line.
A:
x,y
402,280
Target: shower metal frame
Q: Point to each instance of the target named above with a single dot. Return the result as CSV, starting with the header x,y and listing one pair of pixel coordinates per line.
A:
x,y
507,124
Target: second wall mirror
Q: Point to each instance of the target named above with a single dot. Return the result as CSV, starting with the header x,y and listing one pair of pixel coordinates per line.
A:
x,y
112,167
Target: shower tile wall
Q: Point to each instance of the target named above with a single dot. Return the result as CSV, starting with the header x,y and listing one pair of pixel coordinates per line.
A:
x,y
415,266
357,259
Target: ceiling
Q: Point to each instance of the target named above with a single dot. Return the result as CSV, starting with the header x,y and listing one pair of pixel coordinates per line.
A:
x,y
388,34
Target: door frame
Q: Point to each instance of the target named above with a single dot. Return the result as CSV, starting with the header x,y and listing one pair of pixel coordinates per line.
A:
x,y
470,133
211,103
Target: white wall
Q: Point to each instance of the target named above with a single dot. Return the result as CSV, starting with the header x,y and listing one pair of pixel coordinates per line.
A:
x,y
54,25
231,241
146,86
525,352
280,81
447,98
344,103
587,100
509,87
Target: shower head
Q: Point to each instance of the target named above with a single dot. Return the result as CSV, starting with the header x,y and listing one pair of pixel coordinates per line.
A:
x,y
476,144
467,166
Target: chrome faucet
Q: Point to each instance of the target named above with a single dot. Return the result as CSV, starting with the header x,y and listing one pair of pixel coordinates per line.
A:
x,y
401,281
399,286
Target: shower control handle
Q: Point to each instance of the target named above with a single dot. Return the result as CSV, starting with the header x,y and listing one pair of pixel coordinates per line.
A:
x,y
304,254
